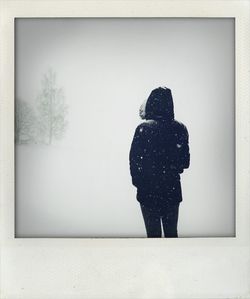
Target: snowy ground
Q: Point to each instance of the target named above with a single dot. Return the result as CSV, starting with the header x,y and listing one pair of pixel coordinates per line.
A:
x,y
63,192
68,192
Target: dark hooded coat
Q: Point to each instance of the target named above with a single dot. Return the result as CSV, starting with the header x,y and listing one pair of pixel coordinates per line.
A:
x,y
159,152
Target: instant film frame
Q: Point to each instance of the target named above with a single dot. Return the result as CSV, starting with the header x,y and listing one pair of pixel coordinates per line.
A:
x,y
125,268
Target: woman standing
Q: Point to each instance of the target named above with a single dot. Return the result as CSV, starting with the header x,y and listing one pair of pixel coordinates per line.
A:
x,y
158,154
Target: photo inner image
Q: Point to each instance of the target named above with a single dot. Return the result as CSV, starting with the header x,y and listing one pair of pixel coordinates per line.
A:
x,y
124,127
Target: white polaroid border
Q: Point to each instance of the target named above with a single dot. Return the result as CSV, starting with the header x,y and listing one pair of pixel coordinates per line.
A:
x,y
34,268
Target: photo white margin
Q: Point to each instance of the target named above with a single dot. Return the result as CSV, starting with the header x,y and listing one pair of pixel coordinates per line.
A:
x,y
125,268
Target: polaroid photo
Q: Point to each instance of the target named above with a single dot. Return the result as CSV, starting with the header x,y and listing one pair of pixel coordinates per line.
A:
x,y
125,149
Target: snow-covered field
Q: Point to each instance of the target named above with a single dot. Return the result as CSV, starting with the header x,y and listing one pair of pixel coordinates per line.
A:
x,y
87,192
66,192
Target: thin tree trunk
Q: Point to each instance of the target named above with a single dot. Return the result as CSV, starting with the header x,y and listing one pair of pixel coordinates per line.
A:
x,y
50,117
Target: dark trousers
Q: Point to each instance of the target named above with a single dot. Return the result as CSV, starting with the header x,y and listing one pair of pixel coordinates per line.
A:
x,y
153,218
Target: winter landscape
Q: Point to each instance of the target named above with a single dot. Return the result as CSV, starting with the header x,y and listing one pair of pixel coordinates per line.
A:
x,y
79,87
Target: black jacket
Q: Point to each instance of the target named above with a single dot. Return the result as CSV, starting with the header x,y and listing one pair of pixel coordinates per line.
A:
x,y
159,152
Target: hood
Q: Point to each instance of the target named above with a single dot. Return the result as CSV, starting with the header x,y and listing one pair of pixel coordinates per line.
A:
x,y
159,105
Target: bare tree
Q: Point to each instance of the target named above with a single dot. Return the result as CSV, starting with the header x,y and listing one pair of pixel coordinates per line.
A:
x,y
25,123
52,110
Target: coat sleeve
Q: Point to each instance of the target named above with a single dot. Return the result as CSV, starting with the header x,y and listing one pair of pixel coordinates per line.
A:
x,y
136,156
183,148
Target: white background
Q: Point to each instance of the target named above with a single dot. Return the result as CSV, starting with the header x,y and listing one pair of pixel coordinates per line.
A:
x,y
81,186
